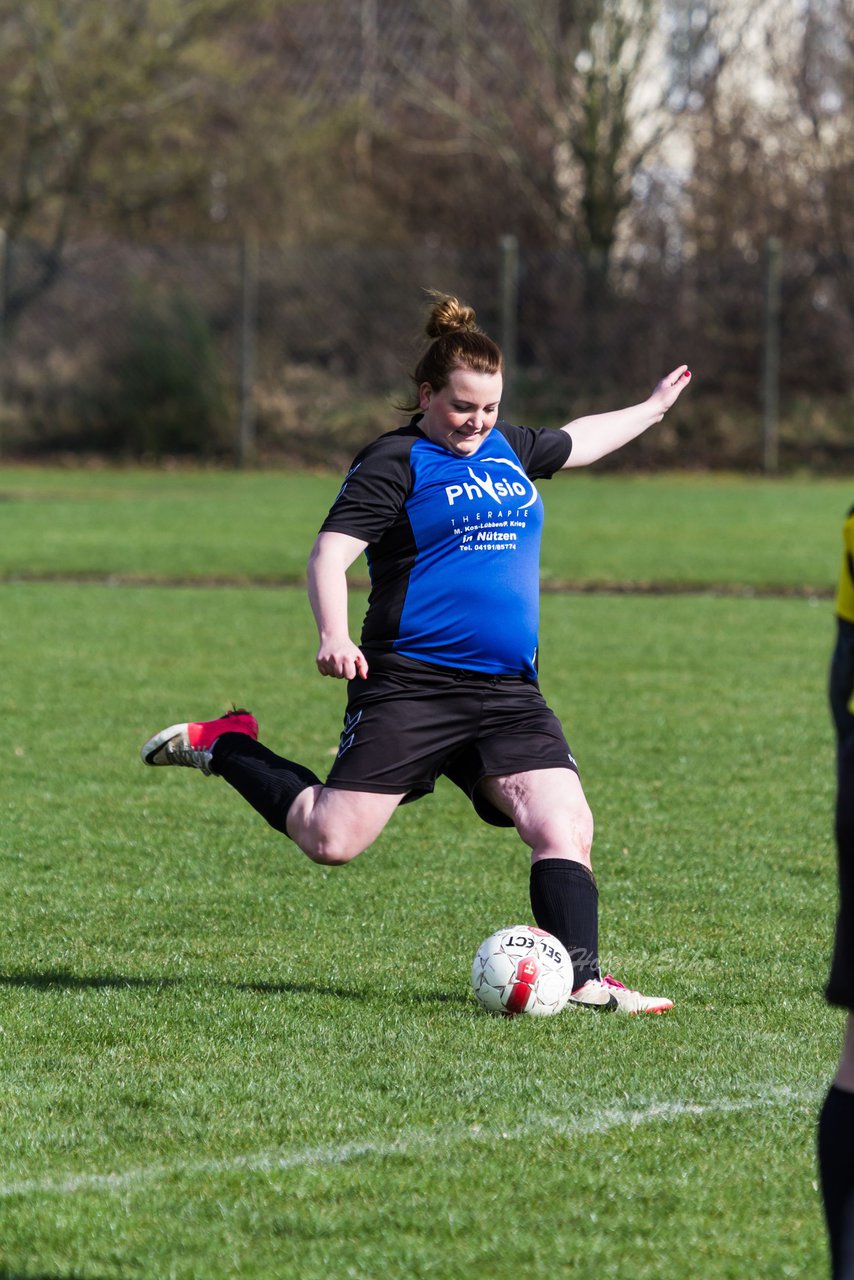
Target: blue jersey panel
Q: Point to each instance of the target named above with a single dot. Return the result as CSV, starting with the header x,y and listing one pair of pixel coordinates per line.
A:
x,y
472,599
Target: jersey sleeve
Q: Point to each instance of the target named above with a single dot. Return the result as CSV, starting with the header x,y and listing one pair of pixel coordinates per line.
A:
x,y
374,490
542,452
845,590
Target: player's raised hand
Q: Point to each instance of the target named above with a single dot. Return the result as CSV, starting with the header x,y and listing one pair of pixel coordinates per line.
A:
x,y
669,389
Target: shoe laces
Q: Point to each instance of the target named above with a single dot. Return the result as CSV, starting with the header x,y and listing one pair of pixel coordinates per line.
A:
x,y
196,758
610,981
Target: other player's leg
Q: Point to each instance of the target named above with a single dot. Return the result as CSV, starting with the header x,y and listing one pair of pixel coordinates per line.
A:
x,y
836,1121
836,1161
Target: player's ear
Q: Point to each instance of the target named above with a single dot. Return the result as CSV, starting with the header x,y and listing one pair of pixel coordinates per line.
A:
x,y
425,392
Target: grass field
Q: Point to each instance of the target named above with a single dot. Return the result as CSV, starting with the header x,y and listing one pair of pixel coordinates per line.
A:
x,y
674,529
221,1061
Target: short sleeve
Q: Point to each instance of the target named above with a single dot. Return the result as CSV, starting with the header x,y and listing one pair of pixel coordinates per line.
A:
x,y
374,489
542,452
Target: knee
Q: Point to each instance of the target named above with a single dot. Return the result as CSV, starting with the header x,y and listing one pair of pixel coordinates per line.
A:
x,y
331,844
571,832
585,830
332,827
330,852
332,857
580,832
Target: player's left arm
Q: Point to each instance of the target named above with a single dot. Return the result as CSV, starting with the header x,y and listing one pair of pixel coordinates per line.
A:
x,y
599,434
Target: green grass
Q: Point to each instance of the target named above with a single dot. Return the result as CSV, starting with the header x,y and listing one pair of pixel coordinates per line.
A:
x,y
258,526
219,1060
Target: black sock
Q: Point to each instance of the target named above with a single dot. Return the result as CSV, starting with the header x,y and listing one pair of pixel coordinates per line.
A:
x,y
269,782
565,902
836,1166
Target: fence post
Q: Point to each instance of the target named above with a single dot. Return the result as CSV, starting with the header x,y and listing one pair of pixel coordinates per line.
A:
x,y
4,294
509,294
248,340
369,31
771,307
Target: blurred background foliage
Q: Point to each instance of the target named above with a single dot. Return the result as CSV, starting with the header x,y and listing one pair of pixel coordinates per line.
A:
x,y
217,218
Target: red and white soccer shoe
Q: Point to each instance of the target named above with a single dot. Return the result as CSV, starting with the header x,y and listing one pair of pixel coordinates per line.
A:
x,y
607,993
190,744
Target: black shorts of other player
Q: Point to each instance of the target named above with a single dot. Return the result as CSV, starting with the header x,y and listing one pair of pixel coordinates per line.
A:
x,y
409,722
841,682
840,986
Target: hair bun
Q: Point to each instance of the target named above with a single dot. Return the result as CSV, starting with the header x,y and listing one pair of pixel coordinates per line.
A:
x,y
449,315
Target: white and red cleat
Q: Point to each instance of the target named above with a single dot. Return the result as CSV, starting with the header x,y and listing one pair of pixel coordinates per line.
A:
x,y
190,744
607,993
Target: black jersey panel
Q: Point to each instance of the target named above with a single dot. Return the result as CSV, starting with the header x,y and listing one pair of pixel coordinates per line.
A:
x,y
371,506
375,488
542,452
390,563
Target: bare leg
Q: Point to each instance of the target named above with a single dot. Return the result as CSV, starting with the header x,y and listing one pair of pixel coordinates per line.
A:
x,y
333,826
330,825
549,810
844,1078
553,818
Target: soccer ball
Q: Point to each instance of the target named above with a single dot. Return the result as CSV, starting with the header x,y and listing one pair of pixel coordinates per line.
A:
x,y
522,970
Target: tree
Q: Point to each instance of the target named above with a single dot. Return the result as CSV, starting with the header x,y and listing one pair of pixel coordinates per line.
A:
x,y
101,112
774,157
548,110
560,94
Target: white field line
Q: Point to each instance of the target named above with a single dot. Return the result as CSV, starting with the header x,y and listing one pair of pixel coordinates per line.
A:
x,y
415,1142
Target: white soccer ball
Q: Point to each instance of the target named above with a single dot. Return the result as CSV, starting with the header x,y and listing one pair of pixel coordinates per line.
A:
x,y
522,970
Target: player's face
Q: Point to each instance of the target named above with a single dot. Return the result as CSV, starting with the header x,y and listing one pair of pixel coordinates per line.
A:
x,y
462,414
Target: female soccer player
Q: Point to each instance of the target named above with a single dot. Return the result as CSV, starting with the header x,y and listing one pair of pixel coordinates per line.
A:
x,y
444,679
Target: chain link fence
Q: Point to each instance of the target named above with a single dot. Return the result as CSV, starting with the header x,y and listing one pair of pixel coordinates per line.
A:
x,y
301,355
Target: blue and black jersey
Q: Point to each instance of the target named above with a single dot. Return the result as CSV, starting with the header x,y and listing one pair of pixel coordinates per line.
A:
x,y
453,545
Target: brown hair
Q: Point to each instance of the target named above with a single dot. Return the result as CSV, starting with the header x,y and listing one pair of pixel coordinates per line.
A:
x,y
456,343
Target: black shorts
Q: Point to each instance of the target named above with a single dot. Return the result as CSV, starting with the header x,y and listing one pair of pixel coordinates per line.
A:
x,y
842,680
411,722
840,986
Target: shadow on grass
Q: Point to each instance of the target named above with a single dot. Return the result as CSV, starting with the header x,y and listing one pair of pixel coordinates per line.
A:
x,y
6,1274
62,980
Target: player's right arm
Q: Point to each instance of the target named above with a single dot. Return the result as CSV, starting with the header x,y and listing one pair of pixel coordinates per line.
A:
x,y
330,558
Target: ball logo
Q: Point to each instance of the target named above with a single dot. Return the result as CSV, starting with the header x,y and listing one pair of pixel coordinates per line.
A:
x,y
527,970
